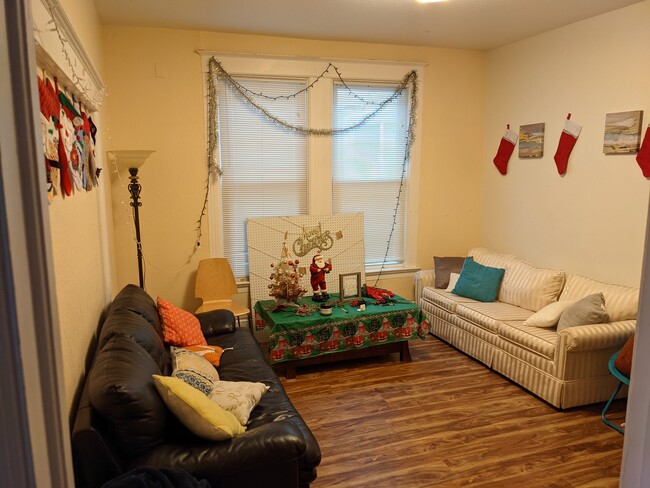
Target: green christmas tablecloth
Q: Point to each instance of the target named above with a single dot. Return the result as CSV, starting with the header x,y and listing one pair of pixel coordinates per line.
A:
x,y
293,336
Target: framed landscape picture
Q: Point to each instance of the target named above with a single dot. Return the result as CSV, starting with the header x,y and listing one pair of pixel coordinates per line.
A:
x,y
531,141
622,132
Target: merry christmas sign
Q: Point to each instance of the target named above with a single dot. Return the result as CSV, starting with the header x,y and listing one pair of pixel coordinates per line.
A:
x,y
338,237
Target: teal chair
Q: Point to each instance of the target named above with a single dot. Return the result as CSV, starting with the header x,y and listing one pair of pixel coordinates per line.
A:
x,y
622,380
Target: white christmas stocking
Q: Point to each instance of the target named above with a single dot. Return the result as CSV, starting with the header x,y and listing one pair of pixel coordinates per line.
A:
x,y
568,139
506,146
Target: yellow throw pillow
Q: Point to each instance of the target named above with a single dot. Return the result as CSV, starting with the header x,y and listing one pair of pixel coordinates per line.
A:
x,y
196,411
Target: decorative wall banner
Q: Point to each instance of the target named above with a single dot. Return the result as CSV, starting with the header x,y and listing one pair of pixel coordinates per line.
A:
x,y
622,132
531,141
70,90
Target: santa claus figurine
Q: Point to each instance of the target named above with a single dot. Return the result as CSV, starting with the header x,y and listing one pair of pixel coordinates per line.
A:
x,y
318,268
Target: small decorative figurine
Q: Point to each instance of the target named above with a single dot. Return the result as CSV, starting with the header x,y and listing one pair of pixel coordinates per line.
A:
x,y
318,269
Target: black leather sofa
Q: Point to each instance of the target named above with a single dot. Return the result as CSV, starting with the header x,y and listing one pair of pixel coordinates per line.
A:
x,y
122,423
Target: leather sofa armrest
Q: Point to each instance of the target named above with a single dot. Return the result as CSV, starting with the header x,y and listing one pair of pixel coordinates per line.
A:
x,y
596,336
425,277
258,450
216,322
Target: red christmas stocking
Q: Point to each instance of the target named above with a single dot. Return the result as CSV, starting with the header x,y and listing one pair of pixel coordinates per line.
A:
x,y
568,139
506,146
643,157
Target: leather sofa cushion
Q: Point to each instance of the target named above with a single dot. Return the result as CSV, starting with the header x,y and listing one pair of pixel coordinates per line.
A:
x,y
130,324
135,299
275,404
121,390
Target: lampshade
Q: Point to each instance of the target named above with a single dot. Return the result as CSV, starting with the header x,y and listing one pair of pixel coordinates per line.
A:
x,y
130,158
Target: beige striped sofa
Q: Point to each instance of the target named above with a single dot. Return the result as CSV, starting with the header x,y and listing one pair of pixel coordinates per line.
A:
x,y
566,369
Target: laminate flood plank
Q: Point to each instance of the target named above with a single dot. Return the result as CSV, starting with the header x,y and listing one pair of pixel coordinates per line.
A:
x,y
444,420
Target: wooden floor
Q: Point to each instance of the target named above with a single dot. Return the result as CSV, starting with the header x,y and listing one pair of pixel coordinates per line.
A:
x,y
445,420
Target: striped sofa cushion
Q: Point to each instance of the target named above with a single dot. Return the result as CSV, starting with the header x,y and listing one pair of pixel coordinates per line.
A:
x,y
530,287
490,258
621,301
535,339
490,315
444,299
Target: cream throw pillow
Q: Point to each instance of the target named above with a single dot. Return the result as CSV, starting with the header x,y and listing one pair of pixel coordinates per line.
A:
x,y
238,397
453,279
195,410
549,315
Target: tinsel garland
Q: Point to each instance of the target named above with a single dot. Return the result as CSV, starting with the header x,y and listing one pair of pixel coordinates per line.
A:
x,y
216,71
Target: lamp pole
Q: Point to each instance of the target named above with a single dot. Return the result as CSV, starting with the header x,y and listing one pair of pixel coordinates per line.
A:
x,y
134,189
132,160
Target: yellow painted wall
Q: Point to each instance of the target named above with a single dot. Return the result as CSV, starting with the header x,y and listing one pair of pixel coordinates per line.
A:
x,y
77,227
155,102
592,220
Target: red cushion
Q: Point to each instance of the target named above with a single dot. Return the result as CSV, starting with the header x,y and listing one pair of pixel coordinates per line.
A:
x,y
624,360
180,328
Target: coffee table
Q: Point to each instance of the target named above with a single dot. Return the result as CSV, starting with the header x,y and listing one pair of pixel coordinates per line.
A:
x,y
347,333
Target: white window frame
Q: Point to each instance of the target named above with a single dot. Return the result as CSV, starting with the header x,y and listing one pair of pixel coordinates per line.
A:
x,y
319,188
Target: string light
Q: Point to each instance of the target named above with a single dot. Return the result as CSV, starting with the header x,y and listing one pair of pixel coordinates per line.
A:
x,y
216,71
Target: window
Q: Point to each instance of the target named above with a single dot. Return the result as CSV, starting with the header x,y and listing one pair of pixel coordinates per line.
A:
x,y
269,170
264,166
367,166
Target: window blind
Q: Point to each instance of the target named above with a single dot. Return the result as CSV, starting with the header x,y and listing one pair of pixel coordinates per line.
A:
x,y
264,165
367,166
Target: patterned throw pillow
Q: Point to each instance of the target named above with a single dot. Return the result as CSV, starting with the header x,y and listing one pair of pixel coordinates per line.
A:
x,y
238,397
180,328
211,353
193,370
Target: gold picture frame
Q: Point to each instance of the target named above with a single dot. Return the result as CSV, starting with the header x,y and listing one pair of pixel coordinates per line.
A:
x,y
349,286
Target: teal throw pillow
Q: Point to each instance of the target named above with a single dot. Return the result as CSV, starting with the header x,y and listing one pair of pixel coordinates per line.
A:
x,y
478,282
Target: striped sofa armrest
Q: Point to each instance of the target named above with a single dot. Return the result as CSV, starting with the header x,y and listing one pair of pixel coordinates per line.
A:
x,y
596,336
425,277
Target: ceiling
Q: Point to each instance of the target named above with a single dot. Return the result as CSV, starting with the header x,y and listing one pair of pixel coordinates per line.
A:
x,y
462,24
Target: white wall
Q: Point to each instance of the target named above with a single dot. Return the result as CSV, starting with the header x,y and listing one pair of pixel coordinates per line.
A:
x,y
80,236
156,102
592,220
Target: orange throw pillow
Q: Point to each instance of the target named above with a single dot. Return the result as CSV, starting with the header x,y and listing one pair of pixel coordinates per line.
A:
x,y
624,360
180,328
211,353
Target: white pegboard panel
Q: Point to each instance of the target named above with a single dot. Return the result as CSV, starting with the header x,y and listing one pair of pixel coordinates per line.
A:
x,y
340,235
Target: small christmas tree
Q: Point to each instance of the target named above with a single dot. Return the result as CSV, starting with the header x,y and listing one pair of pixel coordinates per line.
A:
x,y
285,286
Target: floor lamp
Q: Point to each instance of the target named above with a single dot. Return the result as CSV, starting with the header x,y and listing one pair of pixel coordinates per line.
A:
x,y
133,161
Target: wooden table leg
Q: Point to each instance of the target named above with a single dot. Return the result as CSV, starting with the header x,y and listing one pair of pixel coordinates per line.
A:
x,y
290,372
405,353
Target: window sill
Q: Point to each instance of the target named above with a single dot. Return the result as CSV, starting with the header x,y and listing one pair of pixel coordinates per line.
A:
x,y
393,272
